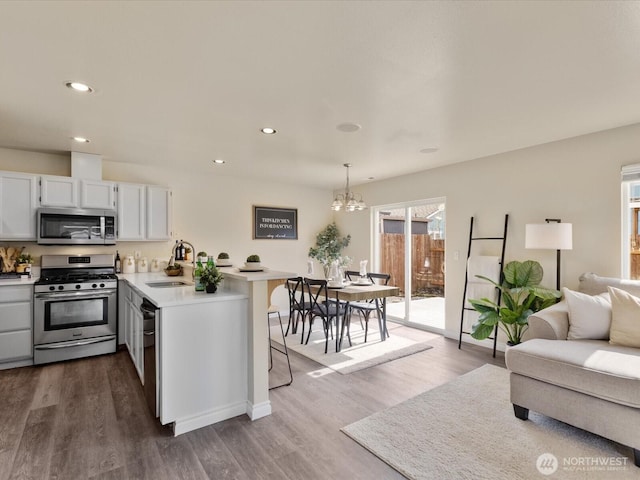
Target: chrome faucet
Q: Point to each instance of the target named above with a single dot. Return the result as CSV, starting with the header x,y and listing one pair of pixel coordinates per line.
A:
x,y
193,255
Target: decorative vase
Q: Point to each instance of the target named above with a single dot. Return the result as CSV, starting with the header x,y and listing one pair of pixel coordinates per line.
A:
x,y
211,288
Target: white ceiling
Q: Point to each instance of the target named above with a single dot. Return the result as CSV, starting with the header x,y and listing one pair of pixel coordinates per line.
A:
x,y
180,83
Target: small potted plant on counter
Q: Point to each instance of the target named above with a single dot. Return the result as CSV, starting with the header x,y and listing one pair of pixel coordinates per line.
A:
x,y
223,259
253,261
210,278
202,256
23,263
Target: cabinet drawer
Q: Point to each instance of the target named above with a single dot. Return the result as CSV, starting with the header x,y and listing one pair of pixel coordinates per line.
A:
x,y
15,345
16,293
15,316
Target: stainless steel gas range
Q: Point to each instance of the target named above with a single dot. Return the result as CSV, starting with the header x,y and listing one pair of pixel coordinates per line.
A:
x,y
75,305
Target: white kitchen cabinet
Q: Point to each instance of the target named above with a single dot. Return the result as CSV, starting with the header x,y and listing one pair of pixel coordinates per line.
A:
x,y
133,326
16,313
132,211
158,213
65,192
58,191
18,206
97,194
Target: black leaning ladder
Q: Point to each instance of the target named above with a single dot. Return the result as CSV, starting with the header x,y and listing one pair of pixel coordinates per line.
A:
x,y
503,238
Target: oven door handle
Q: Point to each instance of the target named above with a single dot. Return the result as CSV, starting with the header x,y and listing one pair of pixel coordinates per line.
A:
x,y
93,294
79,343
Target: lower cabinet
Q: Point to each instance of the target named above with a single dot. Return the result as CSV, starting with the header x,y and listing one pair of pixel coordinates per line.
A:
x,y
133,326
16,313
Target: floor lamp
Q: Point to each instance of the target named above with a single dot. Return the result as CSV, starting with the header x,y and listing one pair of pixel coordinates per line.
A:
x,y
552,235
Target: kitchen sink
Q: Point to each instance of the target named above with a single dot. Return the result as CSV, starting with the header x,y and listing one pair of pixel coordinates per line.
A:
x,y
168,284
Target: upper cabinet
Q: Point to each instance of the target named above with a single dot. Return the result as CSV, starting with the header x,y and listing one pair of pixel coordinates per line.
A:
x,y
144,212
58,192
132,211
74,193
18,205
97,194
158,213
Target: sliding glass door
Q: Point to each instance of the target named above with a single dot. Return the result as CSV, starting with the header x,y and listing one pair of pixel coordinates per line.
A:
x,y
409,244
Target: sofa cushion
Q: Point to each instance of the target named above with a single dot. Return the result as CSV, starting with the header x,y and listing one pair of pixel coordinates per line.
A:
x,y
592,367
625,323
589,315
593,284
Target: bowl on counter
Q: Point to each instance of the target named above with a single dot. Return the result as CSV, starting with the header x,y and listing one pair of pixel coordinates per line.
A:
x,y
173,272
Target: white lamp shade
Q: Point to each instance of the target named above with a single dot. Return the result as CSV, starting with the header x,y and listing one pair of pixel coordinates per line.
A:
x,y
551,236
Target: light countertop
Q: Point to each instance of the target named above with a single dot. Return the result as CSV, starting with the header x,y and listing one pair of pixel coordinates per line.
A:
x,y
18,281
174,296
266,274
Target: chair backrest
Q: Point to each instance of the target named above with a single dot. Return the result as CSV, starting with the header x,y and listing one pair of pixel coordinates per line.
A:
x,y
352,275
315,299
296,293
380,278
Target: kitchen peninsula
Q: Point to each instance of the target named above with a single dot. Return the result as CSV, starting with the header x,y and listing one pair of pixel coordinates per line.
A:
x,y
211,349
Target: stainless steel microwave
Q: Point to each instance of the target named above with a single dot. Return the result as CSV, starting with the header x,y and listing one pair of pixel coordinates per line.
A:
x,y
66,226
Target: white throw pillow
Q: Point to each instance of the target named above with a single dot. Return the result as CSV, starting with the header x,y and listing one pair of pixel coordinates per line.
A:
x,y
589,315
625,319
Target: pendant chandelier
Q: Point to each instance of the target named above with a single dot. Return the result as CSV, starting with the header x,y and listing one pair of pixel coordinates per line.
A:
x,y
348,199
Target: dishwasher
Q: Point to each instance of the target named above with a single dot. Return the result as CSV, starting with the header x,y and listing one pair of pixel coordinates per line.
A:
x,y
149,311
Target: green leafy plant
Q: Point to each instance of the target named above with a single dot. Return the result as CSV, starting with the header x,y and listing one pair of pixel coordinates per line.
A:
x,y
223,256
522,295
211,275
201,254
25,258
252,258
328,248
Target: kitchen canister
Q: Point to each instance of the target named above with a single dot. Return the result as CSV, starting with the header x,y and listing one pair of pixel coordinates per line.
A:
x,y
129,264
143,265
155,265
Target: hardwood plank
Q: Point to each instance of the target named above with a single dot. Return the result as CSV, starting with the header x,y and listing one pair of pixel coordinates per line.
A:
x,y
179,459
49,383
214,456
34,453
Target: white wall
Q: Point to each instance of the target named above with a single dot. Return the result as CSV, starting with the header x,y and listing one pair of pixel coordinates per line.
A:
x,y
577,180
211,211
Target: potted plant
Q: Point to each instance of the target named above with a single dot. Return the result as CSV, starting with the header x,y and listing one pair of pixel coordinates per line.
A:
x,y
223,259
202,256
210,278
329,245
23,262
253,261
521,296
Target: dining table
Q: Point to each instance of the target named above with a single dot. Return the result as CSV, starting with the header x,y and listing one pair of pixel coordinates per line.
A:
x,y
355,292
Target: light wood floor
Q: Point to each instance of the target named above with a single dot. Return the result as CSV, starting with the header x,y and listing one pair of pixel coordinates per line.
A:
x,y
88,419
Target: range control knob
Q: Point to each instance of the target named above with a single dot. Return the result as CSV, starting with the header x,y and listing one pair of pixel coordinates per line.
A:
x,y
102,285
52,287
60,287
78,287
94,286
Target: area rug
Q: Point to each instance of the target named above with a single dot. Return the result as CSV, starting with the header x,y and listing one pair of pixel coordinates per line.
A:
x,y
466,430
360,355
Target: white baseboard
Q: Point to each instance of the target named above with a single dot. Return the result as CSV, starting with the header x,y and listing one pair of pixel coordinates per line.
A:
x,y
184,425
258,411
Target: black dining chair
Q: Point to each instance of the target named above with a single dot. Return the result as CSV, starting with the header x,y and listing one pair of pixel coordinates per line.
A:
x,y
373,305
322,306
298,308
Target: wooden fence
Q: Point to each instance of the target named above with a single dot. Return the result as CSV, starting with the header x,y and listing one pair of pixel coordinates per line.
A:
x,y
426,277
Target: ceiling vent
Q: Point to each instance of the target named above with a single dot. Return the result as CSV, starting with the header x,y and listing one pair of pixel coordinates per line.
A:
x,y
86,166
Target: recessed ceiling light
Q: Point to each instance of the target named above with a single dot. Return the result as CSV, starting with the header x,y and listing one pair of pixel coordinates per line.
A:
x,y
79,87
371,178
268,130
429,150
81,139
348,127
218,161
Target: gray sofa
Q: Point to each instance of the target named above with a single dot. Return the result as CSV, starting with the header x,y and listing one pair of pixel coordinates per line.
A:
x,y
589,384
